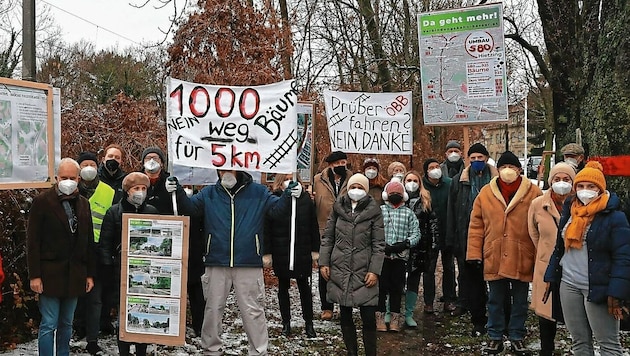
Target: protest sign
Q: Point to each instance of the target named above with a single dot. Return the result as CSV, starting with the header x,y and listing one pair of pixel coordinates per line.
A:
x,y
232,128
374,123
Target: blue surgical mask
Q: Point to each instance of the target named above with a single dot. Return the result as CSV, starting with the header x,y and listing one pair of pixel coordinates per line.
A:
x,y
478,166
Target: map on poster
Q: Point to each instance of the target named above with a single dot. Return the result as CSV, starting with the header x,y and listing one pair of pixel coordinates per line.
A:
x,y
462,60
25,120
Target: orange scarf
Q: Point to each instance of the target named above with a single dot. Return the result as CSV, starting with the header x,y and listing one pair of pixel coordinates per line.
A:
x,y
581,217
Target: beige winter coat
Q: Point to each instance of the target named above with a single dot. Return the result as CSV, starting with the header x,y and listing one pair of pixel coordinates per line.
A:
x,y
497,233
325,195
542,221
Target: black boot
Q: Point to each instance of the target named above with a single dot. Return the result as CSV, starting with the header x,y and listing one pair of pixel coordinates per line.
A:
x,y
286,329
141,349
310,330
123,348
350,339
369,342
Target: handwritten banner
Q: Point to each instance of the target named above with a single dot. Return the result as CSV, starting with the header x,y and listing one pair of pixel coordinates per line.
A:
x,y
375,123
232,128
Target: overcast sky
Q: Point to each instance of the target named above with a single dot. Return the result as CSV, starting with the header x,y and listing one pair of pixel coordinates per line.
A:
x,y
95,20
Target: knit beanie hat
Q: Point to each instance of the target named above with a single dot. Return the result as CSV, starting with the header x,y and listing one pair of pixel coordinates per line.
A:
x,y
135,178
508,157
561,168
361,179
593,172
155,150
371,162
394,165
478,148
87,156
335,156
425,165
453,144
394,187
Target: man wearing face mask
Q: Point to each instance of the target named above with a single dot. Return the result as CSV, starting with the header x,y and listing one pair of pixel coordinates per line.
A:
x,y
498,236
61,255
90,314
372,170
464,189
454,163
110,172
439,187
134,201
153,165
327,187
573,154
234,212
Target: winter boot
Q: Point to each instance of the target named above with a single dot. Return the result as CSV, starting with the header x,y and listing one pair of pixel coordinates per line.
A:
x,y
380,322
309,329
369,342
394,325
286,329
410,304
350,339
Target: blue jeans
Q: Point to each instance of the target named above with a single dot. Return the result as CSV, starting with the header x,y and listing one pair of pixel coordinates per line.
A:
x,y
57,314
500,291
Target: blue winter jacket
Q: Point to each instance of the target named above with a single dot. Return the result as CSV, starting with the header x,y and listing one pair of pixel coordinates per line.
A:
x,y
234,224
608,243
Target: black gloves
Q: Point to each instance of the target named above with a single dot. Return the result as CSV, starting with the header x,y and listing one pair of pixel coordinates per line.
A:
x,y
397,247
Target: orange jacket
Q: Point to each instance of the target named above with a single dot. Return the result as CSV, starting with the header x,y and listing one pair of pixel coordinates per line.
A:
x,y
498,235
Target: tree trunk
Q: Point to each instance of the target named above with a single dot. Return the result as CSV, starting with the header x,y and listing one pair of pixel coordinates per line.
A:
x,y
371,23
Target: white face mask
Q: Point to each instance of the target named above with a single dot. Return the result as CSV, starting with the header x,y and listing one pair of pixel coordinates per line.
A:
x,y
67,186
356,194
88,173
586,196
411,186
572,161
398,177
435,173
189,192
561,187
508,175
454,157
152,166
285,184
228,180
137,198
371,173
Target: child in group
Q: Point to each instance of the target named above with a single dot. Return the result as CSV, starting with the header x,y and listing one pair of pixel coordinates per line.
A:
x,y
401,233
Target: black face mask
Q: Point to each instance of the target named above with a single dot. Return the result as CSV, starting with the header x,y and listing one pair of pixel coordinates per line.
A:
x,y
111,165
340,170
395,199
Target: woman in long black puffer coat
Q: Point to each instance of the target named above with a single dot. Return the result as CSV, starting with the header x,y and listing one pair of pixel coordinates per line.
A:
x,y
277,247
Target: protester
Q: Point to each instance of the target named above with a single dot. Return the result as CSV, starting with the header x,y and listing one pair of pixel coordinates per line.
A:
x,y
197,241
234,212
401,233
328,185
591,264
573,154
543,217
498,236
372,170
153,165
60,255
464,189
90,314
396,170
351,257
305,251
454,163
421,255
110,171
439,187
134,201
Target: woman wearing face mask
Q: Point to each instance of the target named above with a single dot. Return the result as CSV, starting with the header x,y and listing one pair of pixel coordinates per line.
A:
x,y
543,218
351,257
135,187
372,170
396,170
277,253
591,264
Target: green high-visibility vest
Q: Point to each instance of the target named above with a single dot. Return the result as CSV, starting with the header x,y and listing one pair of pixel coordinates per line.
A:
x,y
100,201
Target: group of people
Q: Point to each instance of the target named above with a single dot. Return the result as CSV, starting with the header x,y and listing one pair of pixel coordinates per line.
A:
x,y
372,236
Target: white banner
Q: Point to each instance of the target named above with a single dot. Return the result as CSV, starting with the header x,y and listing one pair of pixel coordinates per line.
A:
x,y
232,128
374,123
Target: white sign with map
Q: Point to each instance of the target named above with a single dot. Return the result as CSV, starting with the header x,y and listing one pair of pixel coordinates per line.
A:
x,y
462,59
